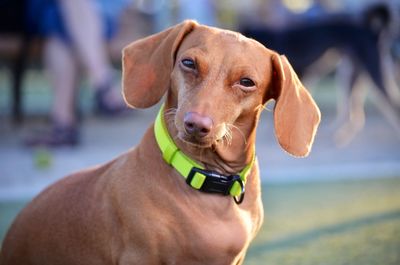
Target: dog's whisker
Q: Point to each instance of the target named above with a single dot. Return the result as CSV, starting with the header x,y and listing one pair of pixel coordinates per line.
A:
x,y
262,107
229,139
232,126
169,116
170,111
222,140
228,135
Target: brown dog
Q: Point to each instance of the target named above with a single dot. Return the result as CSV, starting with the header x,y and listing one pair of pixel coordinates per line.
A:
x,y
137,209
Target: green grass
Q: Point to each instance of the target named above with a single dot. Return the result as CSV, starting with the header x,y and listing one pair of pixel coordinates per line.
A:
x,y
354,222
344,222
8,211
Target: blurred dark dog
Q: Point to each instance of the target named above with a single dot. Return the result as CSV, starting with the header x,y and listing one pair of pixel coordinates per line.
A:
x,y
362,41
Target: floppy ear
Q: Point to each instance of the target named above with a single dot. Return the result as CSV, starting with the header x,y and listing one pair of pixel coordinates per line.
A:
x,y
296,116
147,65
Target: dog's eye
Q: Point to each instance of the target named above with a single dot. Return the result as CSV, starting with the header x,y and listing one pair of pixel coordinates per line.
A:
x,y
247,82
189,63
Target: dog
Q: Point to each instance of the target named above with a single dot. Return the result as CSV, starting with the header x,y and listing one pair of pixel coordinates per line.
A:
x,y
361,42
178,196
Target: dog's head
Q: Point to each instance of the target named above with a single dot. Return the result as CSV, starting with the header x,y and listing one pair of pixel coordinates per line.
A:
x,y
218,81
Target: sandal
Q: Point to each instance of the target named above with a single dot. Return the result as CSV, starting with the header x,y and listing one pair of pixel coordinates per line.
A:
x,y
58,136
102,102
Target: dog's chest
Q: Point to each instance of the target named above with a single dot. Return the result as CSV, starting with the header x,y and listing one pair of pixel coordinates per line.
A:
x,y
223,241
207,239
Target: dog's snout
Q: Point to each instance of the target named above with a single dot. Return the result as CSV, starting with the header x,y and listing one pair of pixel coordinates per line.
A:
x,y
197,125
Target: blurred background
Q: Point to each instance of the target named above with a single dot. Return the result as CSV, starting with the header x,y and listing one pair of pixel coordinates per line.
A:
x,y
61,111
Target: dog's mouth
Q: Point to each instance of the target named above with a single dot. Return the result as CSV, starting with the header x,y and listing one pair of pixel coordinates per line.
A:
x,y
195,141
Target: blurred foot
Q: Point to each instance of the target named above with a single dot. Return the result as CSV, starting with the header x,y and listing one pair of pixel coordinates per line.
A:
x,y
108,102
58,136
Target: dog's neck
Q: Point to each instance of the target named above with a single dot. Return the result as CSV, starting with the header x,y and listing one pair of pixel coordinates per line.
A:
x,y
222,157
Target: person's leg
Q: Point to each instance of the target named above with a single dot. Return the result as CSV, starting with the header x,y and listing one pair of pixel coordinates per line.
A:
x,y
83,23
61,69
85,27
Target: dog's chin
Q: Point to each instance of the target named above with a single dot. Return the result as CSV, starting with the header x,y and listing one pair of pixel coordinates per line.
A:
x,y
196,142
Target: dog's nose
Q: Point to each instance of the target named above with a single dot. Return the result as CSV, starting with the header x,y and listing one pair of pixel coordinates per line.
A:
x,y
197,125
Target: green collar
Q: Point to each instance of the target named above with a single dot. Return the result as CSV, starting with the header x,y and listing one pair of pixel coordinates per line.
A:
x,y
196,176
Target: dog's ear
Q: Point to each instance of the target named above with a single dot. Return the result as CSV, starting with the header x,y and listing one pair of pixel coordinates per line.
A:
x,y
296,116
147,65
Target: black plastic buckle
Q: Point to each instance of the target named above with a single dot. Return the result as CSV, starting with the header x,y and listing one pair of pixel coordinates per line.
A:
x,y
217,183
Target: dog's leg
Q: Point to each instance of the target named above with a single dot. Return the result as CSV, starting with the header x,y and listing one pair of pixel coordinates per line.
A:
x,y
385,93
389,72
315,73
356,117
383,104
345,78
350,104
391,110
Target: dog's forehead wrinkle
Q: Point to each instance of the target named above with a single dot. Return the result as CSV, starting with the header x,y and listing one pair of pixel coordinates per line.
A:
x,y
235,35
224,48
213,35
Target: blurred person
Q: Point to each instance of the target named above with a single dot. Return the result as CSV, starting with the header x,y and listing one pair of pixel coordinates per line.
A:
x,y
316,10
280,14
276,14
203,11
75,32
169,12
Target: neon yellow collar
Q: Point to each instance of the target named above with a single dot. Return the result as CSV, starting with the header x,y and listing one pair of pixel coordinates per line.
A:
x,y
196,176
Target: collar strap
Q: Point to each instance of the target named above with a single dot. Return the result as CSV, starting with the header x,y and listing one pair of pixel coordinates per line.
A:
x,y
196,175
